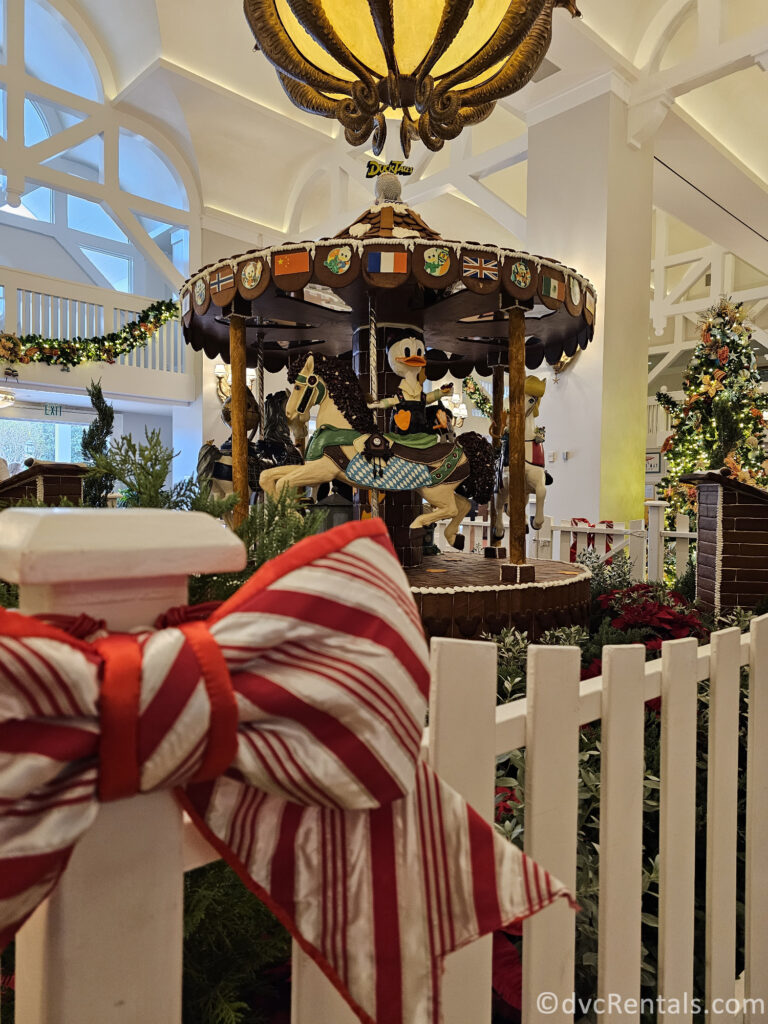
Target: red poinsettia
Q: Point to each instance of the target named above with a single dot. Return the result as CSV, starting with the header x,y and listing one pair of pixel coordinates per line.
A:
x,y
506,799
666,615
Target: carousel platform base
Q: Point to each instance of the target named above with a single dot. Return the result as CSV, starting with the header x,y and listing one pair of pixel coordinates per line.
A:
x,y
462,595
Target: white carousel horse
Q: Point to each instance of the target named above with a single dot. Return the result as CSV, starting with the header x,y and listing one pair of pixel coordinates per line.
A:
x,y
536,476
347,448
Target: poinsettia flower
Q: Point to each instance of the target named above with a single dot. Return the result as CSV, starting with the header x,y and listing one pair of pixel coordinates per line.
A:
x,y
507,979
593,669
506,799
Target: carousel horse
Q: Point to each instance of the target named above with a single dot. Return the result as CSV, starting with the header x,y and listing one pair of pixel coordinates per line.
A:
x,y
275,448
536,476
346,446
215,464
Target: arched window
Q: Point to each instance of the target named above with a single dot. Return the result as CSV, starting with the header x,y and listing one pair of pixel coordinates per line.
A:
x,y
147,172
122,223
54,53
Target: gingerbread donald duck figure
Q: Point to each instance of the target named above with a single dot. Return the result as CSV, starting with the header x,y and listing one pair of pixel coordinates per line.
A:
x,y
406,359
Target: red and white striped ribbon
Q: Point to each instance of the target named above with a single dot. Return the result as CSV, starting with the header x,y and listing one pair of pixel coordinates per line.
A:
x,y
290,724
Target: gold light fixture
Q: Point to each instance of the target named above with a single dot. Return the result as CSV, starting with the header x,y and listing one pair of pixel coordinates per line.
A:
x,y
442,63
224,381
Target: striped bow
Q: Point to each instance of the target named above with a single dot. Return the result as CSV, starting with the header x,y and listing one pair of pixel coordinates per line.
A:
x,y
289,723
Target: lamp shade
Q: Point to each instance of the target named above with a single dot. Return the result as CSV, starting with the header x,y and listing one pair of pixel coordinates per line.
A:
x,y
442,63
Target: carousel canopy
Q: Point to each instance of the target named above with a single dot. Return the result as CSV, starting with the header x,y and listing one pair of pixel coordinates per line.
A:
x,y
307,297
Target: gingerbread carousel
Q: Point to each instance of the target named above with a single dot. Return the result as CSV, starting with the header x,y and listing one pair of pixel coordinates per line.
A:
x,y
361,320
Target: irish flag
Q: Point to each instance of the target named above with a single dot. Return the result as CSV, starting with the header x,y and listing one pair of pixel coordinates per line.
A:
x,y
552,289
387,262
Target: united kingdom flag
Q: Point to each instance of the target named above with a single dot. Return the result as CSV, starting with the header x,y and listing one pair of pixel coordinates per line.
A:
x,y
483,267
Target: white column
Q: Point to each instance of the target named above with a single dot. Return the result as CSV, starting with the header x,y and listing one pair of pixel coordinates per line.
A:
x,y
106,947
589,206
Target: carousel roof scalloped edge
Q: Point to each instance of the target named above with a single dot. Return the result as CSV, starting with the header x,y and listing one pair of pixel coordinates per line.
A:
x,y
359,245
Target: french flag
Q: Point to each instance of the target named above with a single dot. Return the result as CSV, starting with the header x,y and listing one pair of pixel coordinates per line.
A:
x,y
388,262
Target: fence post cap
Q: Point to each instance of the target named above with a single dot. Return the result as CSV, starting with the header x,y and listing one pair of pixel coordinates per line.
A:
x,y
656,504
59,545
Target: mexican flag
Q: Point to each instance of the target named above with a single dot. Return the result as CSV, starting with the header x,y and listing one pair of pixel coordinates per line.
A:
x,y
552,289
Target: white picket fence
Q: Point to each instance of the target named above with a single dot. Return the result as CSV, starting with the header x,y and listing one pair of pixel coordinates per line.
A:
x,y
107,947
646,545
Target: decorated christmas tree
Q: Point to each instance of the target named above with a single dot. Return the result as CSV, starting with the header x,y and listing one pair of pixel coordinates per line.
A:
x,y
719,424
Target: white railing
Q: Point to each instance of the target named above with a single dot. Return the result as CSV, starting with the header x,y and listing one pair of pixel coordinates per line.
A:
x,y
659,424
106,948
646,545
35,304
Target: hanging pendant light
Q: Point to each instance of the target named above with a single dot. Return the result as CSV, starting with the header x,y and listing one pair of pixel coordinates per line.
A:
x,y
440,64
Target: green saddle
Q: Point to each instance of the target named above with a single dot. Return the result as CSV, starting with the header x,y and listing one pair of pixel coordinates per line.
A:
x,y
326,436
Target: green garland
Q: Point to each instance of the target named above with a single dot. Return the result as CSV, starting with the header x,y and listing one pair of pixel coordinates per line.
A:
x,y
34,348
478,397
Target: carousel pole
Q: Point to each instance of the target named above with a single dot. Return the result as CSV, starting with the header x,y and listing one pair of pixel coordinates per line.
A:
x,y
238,419
260,379
497,431
516,570
373,375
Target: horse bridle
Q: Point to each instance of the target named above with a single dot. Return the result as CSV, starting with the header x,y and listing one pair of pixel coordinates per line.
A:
x,y
313,386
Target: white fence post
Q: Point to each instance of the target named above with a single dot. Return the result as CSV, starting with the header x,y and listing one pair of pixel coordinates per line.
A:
x,y
551,815
756,895
565,541
682,544
677,819
541,544
106,948
722,803
637,548
462,726
656,510
622,772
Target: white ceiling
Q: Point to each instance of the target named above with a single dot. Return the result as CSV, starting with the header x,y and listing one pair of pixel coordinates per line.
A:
x,y
264,167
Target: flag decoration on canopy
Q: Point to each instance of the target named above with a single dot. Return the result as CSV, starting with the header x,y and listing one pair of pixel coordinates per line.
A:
x,y
289,723
387,262
222,280
482,267
551,288
291,263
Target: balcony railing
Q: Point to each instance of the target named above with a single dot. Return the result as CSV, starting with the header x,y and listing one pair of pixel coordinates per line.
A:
x,y
35,304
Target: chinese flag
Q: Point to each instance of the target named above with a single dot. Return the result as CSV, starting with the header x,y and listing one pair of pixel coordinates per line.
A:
x,y
291,263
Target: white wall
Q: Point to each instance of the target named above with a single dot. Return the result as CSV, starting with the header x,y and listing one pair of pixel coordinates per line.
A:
x,y
135,424
34,252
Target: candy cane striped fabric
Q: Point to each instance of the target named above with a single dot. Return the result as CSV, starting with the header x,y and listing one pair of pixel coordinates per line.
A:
x,y
290,725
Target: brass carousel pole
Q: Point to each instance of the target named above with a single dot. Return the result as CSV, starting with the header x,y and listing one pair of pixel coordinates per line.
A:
x,y
497,432
516,571
238,419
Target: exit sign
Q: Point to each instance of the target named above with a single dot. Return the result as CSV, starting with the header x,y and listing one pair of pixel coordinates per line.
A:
x,y
53,410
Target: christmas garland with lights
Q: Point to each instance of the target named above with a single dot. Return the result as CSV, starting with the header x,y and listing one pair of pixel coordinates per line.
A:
x,y
34,348
477,396
719,425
